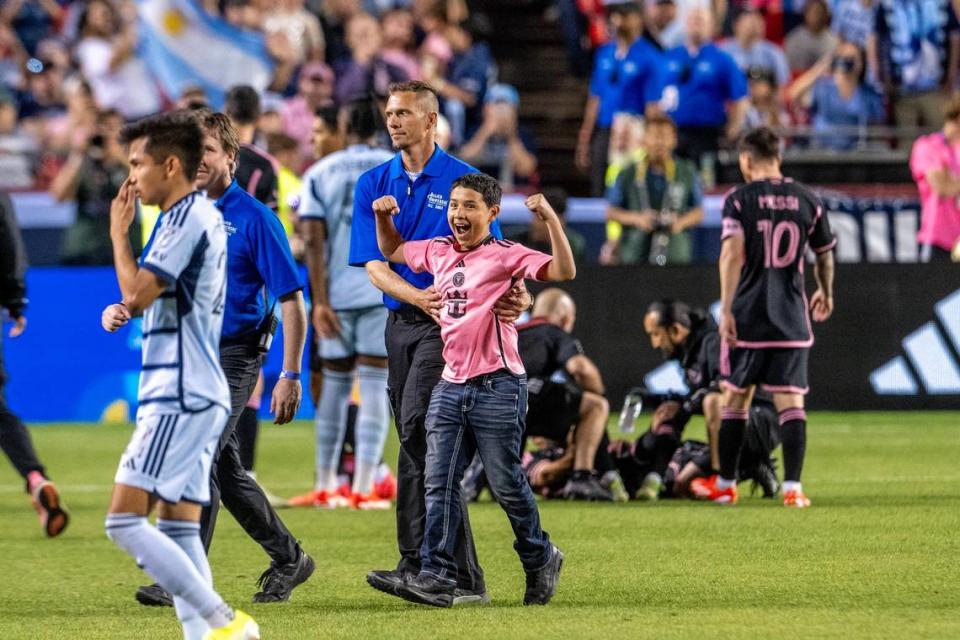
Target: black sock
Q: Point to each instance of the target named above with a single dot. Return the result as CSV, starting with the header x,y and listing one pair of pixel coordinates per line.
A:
x,y
581,475
665,443
733,423
247,428
793,435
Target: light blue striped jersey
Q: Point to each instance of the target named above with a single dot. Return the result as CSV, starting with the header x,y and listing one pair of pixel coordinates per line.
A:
x,y
328,195
181,329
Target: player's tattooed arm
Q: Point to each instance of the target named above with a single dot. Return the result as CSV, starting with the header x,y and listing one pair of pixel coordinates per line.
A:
x,y
731,259
821,303
139,287
388,238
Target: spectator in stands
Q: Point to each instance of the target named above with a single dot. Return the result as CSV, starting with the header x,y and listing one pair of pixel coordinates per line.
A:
x,y
675,34
836,94
853,20
42,93
915,50
766,110
535,235
12,56
606,90
749,48
658,16
501,147
365,72
656,200
92,176
193,98
32,20
314,91
301,28
811,41
704,91
471,70
398,42
108,60
62,134
936,170
334,18
18,149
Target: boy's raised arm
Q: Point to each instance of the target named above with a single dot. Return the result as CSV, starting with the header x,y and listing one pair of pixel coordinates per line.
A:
x,y
388,238
562,267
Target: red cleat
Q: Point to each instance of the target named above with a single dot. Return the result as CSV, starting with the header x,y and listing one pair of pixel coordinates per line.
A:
x,y
795,499
370,502
385,484
319,500
707,489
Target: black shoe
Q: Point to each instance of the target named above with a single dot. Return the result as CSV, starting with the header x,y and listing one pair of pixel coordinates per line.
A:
x,y
280,580
542,583
388,580
765,477
154,596
424,589
468,597
586,487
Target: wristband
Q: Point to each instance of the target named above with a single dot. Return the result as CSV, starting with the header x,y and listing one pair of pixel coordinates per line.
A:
x,y
290,375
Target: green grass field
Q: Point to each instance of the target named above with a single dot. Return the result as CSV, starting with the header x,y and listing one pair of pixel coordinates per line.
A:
x,y
876,556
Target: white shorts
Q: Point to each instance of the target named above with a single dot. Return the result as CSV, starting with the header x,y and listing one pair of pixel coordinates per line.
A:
x,y
170,454
361,333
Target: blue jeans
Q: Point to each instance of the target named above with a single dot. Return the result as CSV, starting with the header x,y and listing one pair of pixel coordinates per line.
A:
x,y
487,415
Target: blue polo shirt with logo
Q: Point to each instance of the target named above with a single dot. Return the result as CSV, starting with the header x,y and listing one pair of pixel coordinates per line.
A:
x,y
696,89
423,210
258,256
640,77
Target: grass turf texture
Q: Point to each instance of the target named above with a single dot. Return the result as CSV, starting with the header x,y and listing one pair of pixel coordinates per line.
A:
x,y
874,558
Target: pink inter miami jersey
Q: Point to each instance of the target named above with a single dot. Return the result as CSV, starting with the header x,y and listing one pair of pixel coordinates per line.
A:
x,y
470,282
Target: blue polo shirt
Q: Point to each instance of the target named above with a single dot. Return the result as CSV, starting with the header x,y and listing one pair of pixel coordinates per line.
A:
x,y
695,89
640,77
607,82
258,256
423,210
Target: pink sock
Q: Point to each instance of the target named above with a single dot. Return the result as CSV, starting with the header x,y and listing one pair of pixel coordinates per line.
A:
x,y
33,479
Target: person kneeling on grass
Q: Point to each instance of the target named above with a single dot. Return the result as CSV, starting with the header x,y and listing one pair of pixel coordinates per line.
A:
x,y
480,405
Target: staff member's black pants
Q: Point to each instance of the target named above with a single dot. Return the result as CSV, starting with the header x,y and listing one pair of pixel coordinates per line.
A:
x,y
229,482
415,361
14,438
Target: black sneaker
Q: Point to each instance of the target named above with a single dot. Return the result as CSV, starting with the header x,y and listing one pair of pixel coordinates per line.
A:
x,y
154,595
542,583
425,589
388,580
765,477
278,581
469,597
587,487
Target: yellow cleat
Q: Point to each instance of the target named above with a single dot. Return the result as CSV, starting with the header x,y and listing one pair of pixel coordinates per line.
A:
x,y
243,627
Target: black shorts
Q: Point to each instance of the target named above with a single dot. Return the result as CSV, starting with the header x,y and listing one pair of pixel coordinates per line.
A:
x,y
774,370
553,409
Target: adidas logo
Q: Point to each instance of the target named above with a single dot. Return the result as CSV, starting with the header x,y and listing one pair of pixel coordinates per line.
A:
x,y
932,357
460,265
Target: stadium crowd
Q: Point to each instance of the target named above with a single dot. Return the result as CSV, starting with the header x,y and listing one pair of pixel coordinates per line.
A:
x,y
827,72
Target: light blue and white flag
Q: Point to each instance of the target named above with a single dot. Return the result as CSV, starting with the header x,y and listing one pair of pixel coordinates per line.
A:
x,y
183,47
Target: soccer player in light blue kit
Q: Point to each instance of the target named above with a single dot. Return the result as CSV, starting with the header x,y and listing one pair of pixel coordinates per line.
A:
x,y
179,287
348,315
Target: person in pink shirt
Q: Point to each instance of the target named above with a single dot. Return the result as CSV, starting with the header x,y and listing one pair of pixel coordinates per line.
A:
x,y
935,164
480,405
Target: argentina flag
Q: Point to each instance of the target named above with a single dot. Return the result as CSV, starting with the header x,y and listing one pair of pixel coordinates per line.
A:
x,y
184,47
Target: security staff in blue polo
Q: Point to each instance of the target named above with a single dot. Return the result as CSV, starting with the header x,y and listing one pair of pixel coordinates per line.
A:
x,y
703,90
418,180
606,90
258,260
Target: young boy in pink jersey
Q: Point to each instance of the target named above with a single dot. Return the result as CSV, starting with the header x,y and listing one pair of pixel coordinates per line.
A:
x,y
480,405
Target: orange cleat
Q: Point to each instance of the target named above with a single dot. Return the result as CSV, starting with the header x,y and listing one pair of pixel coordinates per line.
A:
x,y
369,502
318,500
795,499
707,489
